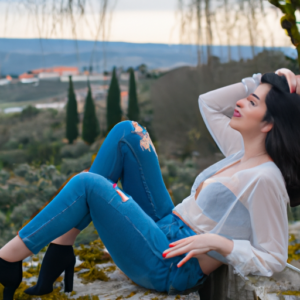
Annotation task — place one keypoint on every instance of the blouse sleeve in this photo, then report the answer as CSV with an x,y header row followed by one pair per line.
x,y
217,108
269,224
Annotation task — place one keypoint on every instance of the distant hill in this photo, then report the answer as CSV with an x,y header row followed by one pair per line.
x,y
177,121
20,55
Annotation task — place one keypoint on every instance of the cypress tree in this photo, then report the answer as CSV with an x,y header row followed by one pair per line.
x,y
72,118
90,125
133,107
113,106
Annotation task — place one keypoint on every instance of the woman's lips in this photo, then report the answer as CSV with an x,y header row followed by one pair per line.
x,y
236,113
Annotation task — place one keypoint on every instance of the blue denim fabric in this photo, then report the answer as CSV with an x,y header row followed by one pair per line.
x,y
136,231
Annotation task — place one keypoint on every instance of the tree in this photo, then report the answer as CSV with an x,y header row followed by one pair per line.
x,y
90,125
72,118
288,21
113,106
133,107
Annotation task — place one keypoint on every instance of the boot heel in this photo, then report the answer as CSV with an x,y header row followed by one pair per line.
x,y
8,292
69,278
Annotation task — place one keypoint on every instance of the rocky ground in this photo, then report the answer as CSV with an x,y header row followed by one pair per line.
x,y
96,277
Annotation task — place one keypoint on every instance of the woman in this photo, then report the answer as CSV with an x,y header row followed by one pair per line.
x,y
236,212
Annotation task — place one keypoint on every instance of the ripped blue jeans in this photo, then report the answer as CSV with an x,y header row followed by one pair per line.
x,y
136,230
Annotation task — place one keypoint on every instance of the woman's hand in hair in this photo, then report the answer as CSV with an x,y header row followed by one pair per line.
x,y
197,245
290,77
298,84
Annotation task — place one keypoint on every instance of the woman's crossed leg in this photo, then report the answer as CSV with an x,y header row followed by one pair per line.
x,y
127,228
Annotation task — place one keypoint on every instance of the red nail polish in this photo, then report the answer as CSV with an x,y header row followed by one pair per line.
x,y
165,254
114,185
171,245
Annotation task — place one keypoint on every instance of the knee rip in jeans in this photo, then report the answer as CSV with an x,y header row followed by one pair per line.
x,y
145,142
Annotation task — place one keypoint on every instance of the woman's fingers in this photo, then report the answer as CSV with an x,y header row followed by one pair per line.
x,y
179,244
178,251
180,241
290,77
187,258
298,84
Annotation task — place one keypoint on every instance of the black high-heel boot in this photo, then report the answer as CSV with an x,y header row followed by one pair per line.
x,y
11,275
58,258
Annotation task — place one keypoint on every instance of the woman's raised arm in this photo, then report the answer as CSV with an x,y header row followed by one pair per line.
x,y
217,108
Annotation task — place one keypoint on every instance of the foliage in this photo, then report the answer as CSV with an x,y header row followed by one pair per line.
x,y
90,125
288,21
178,177
72,118
70,165
75,150
133,107
24,211
294,249
113,106
92,255
29,112
4,175
21,170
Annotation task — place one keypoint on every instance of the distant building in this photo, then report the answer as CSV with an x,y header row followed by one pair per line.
x,y
26,76
12,110
55,105
47,73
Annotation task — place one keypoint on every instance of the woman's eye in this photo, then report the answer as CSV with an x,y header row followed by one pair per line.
x,y
252,103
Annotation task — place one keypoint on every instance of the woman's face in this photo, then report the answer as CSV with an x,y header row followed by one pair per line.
x,y
249,112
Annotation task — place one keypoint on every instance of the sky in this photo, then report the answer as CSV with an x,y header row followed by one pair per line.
x,y
137,21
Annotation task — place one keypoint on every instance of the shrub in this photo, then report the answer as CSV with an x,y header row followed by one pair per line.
x,y
32,176
2,221
58,180
47,193
23,212
74,150
4,175
22,170
11,157
12,143
29,112
5,199
47,171
69,165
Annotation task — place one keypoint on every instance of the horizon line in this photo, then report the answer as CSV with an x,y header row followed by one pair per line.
x,y
148,43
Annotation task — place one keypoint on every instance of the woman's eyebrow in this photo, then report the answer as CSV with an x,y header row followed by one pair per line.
x,y
255,96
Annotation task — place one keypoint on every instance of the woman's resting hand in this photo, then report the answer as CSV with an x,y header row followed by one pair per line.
x,y
197,245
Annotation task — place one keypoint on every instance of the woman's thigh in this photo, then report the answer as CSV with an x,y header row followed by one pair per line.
x,y
134,241
128,153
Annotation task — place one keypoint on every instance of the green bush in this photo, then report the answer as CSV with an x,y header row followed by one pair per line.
x,y
47,193
74,150
21,170
5,199
23,212
21,194
43,152
58,180
47,171
69,165
12,143
11,157
2,221
4,175
29,112
32,176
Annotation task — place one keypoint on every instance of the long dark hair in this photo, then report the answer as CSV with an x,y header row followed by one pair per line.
x,y
283,140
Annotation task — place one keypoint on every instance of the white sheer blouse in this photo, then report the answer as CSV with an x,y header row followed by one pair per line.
x,y
249,207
